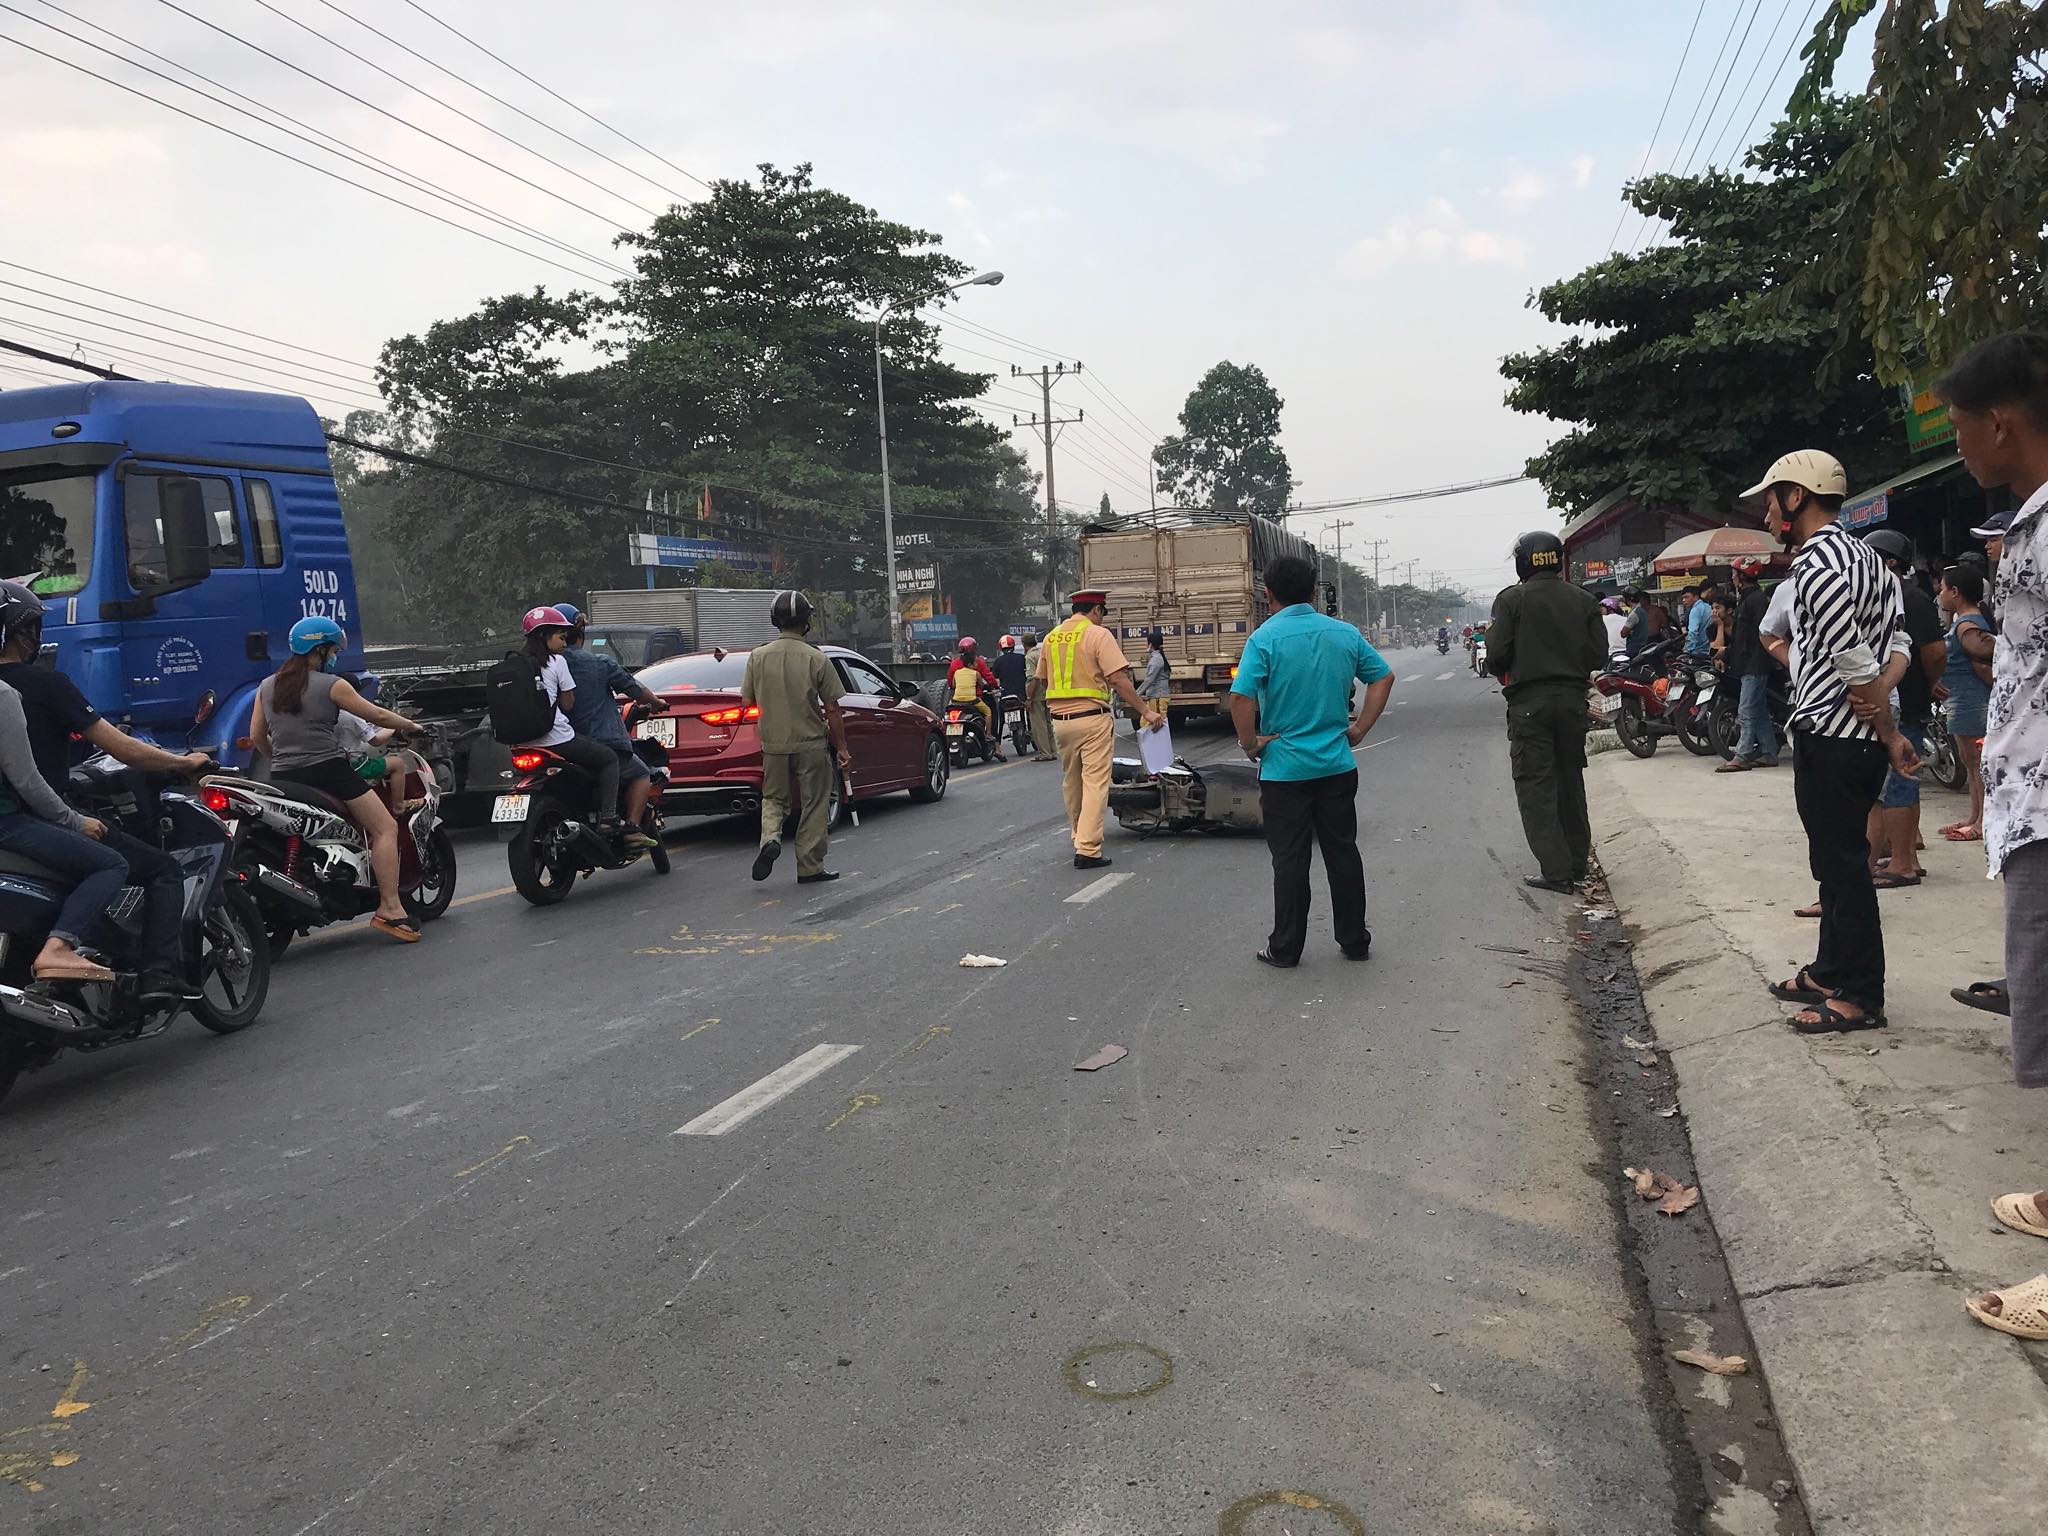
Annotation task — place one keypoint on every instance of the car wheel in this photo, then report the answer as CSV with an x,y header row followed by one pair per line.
x,y
938,772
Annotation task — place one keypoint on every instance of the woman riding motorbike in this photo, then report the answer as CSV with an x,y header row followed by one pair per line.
x,y
547,638
295,726
966,677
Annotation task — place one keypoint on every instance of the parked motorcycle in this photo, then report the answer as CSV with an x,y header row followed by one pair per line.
x,y
556,840
1019,719
1724,723
308,864
1944,763
967,735
222,953
1693,689
1635,698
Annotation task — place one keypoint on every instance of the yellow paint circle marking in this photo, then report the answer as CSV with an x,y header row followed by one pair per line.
x,y
1235,1518
1077,1377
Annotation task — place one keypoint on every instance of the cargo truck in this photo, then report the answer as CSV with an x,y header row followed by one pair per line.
x,y
678,620
1197,578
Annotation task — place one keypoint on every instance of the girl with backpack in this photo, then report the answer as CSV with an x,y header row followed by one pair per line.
x,y
296,726
542,719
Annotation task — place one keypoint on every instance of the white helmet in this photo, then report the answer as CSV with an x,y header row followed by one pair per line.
x,y
1809,468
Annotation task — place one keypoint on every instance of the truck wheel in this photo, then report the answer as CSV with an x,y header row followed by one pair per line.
x,y
236,978
538,870
430,898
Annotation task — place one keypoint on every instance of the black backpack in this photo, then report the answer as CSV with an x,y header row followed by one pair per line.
x,y
520,708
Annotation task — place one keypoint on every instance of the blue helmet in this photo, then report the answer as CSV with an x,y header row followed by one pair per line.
x,y
310,633
570,612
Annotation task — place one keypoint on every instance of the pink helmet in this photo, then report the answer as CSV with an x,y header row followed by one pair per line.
x,y
967,642
543,617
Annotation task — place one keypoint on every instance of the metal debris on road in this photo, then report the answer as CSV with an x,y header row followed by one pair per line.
x,y
1102,1058
1720,1365
982,962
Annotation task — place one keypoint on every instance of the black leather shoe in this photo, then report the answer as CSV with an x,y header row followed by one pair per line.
x,y
1363,952
764,861
1538,883
819,878
1090,861
1267,957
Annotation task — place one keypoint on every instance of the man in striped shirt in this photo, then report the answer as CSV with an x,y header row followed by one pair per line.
x,y
1852,653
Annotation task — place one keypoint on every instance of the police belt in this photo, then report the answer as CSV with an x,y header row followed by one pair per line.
x,y
1079,714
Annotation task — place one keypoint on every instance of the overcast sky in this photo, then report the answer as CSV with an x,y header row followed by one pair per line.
x,y
1358,197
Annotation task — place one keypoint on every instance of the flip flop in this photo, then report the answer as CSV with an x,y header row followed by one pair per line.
x,y
1810,910
1800,989
1988,995
2022,1309
403,929
1826,1021
1956,835
2022,1213
1885,880
1735,765
85,970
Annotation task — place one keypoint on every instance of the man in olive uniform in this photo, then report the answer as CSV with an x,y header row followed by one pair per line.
x,y
1080,669
797,691
1544,643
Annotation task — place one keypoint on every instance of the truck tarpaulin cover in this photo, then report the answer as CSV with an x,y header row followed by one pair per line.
x,y
1269,540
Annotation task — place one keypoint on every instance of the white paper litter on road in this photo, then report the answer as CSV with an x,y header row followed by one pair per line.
x,y
982,962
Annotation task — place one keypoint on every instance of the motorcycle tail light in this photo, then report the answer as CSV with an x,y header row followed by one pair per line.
x,y
218,801
526,762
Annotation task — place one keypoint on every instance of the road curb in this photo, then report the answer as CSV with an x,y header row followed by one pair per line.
x,y
1901,1415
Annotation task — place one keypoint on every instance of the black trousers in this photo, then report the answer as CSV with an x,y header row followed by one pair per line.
x,y
1834,783
1547,754
601,763
163,896
1324,812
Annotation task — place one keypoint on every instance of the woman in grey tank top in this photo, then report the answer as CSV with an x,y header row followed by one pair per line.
x,y
294,726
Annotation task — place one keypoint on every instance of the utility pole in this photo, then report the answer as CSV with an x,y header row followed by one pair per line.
x,y
1045,423
1409,566
1338,528
1379,593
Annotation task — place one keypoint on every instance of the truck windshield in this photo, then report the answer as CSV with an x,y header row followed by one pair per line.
x,y
46,520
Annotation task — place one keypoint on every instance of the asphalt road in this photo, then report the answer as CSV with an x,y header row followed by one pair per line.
x,y
424,1252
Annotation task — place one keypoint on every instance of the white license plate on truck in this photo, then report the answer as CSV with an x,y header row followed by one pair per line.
x,y
509,808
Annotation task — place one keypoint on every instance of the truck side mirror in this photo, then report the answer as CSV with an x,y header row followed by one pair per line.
x,y
188,540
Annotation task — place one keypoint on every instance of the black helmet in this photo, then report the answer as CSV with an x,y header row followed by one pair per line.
x,y
790,610
19,608
1539,554
1892,546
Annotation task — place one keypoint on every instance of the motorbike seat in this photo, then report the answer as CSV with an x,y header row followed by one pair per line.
x,y
12,863
306,794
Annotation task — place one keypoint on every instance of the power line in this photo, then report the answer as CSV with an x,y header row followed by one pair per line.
x,y
509,106
1649,149
1432,493
1103,393
363,101
1707,125
375,164
296,160
558,96
467,117
1791,53
1762,53
1712,69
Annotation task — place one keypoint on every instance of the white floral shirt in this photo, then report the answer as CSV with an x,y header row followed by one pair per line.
x,y
2016,739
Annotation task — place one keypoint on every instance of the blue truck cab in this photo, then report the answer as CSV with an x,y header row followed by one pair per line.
x,y
175,535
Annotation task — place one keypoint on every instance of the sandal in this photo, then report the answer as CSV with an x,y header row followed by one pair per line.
x,y
1800,989
77,969
1962,834
1885,880
1812,909
2022,1309
403,929
1988,995
1823,1018
1733,765
2022,1213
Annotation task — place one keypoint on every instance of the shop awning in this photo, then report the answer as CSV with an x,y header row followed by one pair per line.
x,y
1869,508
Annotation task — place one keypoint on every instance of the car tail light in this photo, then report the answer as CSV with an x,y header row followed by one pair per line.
x,y
732,716
218,801
526,762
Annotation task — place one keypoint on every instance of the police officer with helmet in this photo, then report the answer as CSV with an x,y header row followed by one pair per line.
x,y
1545,641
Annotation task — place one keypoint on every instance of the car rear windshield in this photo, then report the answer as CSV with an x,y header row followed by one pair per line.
x,y
706,670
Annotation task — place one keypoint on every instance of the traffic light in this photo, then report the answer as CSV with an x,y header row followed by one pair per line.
x,y
1330,598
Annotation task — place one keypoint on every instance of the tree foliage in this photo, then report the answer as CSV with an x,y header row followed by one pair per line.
x,y
1696,361
738,359
1938,241
1227,454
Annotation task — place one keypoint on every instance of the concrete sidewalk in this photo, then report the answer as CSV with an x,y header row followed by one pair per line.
x,y
1848,1176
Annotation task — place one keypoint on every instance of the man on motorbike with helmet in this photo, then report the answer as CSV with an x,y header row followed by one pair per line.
x,y
547,631
55,712
1011,675
966,677
600,680
1544,643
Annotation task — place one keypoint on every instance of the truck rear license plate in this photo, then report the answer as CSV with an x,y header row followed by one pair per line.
x,y
509,808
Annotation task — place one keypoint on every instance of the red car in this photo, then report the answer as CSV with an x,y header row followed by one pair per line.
x,y
714,743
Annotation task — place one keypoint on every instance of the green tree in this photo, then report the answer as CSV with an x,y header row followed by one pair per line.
x,y
1227,454
1697,361
739,357
1938,240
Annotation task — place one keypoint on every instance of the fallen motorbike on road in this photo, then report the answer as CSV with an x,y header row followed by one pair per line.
x,y
556,840
308,864
222,955
1217,797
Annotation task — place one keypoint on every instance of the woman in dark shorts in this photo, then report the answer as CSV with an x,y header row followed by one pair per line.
x,y
295,727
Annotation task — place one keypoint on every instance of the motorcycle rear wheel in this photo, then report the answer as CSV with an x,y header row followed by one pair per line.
x,y
657,856
1693,731
541,883
1633,729
237,957
1944,764
1724,728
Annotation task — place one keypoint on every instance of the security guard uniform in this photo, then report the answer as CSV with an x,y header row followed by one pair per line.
x,y
1077,660
1545,641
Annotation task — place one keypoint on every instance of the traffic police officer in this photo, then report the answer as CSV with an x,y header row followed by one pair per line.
x,y
1080,668
1545,641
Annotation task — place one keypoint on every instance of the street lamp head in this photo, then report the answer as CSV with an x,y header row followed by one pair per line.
x,y
983,280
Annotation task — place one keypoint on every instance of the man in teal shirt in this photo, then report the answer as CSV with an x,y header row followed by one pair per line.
x,y
1291,705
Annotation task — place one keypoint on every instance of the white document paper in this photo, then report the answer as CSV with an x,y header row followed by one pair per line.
x,y
1156,748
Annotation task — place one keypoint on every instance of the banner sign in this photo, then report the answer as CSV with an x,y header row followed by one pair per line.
x,y
670,550
917,578
944,628
917,607
913,541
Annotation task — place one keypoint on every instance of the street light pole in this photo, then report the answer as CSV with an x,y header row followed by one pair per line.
x,y
982,279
